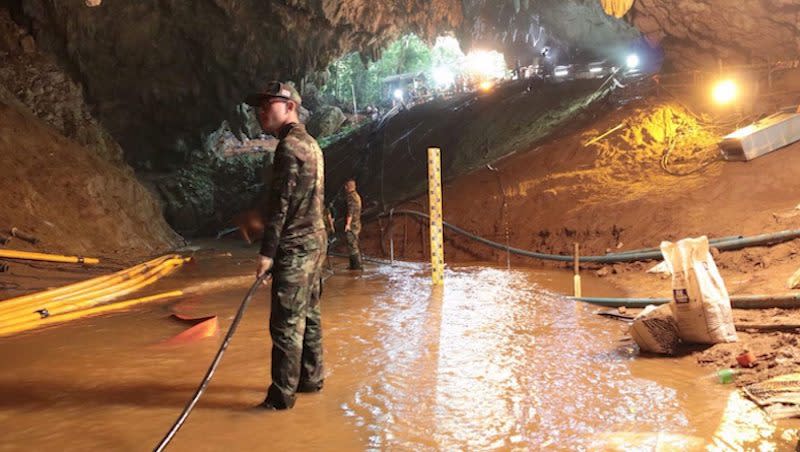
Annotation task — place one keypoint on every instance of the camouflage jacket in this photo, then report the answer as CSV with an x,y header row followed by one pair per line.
x,y
354,211
296,197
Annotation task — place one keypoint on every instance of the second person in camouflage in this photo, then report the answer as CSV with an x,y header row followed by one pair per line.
x,y
352,225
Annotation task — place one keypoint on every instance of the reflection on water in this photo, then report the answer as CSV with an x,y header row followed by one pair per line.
x,y
491,361
746,427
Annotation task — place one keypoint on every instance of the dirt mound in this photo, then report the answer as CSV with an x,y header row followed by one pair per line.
x,y
613,193
71,199
777,353
62,174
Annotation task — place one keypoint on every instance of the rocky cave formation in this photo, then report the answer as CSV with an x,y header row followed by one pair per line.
x,y
166,77
63,176
160,73
697,34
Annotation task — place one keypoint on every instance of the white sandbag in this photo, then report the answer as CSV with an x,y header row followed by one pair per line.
x,y
655,330
702,306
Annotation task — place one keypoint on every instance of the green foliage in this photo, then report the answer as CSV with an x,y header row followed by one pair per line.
x,y
348,74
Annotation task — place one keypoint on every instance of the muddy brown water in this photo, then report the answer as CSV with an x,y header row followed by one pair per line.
x,y
495,360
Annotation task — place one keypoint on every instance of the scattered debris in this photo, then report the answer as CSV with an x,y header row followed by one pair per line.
x,y
779,396
794,281
604,271
614,314
746,359
787,215
607,133
16,232
759,328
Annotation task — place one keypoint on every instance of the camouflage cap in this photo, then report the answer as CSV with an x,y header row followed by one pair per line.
x,y
274,89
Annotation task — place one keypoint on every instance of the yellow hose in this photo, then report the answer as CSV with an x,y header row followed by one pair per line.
x,y
15,254
32,311
74,288
116,281
119,284
82,303
7,330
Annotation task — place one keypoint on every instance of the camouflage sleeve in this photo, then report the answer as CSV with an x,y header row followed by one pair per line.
x,y
351,205
284,181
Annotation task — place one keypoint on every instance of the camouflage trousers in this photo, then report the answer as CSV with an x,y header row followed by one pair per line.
x,y
295,324
352,242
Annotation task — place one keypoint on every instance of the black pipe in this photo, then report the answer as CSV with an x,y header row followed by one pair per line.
x,y
24,236
723,245
210,373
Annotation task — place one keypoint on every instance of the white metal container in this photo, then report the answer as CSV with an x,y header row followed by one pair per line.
x,y
762,137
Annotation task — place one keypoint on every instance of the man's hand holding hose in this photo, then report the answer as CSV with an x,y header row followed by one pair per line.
x,y
264,266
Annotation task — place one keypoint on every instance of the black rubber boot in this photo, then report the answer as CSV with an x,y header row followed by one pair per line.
x,y
355,262
269,405
308,388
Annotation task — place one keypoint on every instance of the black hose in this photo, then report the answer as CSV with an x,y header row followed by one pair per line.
x,y
210,373
722,245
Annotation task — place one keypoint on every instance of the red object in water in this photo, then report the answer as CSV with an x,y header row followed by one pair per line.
x,y
203,327
746,359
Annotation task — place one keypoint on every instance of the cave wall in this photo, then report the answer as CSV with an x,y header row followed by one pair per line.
x,y
159,73
522,28
695,34
62,175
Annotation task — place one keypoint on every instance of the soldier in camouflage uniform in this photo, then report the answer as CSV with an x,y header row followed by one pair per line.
x,y
293,247
352,226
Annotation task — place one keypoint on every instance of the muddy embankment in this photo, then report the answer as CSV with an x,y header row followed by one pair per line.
x,y
62,176
656,176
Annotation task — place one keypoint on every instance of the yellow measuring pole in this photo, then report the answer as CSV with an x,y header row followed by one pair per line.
x,y
435,202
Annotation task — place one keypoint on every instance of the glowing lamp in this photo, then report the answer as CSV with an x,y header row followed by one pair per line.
x,y
724,92
632,61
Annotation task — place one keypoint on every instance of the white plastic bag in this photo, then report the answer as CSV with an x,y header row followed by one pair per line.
x,y
702,306
655,330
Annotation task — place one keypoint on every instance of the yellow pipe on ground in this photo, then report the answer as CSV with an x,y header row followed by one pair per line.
x,y
119,283
63,307
29,312
8,330
116,281
73,288
83,303
16,254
